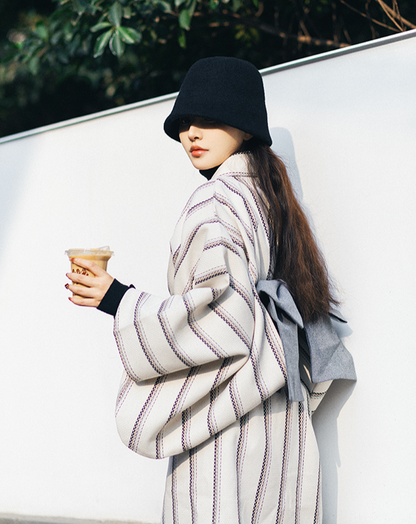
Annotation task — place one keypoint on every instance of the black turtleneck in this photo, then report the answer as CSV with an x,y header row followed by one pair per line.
x,y
208,173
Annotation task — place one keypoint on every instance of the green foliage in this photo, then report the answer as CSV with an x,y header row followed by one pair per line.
x,y
101,42
115,13
66,58
185,19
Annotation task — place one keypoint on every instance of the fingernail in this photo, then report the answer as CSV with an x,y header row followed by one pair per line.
x,y
66,286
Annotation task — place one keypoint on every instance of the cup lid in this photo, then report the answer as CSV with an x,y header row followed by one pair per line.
x,y
105,250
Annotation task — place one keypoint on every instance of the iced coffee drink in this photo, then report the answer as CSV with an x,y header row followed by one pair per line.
x,y
99,255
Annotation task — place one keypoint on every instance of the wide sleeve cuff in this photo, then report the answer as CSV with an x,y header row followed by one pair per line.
x,y
112,298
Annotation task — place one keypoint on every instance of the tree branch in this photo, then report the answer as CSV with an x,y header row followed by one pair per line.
x,y
395,15
365,16
270,29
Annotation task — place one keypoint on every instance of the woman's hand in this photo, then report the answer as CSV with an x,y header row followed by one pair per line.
x,y
93,288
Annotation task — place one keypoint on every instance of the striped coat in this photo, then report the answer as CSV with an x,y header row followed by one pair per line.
x,y
205,377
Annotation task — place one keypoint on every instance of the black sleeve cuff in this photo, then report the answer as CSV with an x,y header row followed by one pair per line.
x,y
112,298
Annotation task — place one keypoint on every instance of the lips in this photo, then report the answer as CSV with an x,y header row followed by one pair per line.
x,y
197,151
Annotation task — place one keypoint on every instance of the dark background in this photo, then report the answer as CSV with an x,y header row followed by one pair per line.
x,y
48,72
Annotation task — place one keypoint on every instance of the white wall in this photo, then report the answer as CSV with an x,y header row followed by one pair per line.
x,y
106,181
346,126
348,129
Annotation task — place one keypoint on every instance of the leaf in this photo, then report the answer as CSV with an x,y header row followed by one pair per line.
x,y
192,7
185,19
42,31
129,35
166,8
56,36
101,42
62,57
33,49
127,12
99,26
236,5
179,2
33,65
116,44
115,14
182,39
79,6
68,31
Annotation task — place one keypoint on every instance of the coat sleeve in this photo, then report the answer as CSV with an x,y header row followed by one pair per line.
x,y
197,361
316,390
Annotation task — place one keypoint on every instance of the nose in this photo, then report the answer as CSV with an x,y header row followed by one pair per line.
x,y
194,132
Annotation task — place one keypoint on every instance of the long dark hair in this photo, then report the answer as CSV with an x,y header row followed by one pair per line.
x,y
296,258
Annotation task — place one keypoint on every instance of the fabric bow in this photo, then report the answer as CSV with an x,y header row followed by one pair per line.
x,y
330,359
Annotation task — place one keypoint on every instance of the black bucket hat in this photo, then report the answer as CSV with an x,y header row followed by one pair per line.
x,y
225,89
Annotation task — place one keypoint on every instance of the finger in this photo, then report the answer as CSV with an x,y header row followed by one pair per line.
x,y
82,301
88,264
85,280
96,287
81,291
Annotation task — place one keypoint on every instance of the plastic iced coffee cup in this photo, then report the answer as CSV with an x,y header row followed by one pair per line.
x,y
99,255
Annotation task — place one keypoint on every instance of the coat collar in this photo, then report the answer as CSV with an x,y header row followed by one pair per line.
x,y
236,164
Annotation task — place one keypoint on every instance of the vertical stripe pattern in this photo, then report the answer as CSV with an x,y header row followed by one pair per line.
x,y
205,379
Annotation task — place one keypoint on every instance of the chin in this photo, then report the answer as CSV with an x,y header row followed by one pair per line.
x,y
201,165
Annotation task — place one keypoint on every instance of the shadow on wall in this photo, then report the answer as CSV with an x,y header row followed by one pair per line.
x,y
326,430
325,419
284,148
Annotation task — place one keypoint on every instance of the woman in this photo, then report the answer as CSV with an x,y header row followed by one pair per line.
x,y
207,379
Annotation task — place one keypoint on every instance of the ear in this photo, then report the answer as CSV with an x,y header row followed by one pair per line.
x,y
247,136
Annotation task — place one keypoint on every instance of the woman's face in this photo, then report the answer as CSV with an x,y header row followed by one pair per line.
x,y
209,143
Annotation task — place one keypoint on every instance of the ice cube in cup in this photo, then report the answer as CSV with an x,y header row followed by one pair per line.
x,y
99,255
